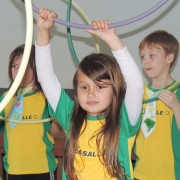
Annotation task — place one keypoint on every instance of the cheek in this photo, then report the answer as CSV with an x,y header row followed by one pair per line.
x,y
80,97
14,73
29,74
107,98
143,64
110,99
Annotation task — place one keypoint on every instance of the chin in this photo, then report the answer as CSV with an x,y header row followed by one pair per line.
x,y
149,75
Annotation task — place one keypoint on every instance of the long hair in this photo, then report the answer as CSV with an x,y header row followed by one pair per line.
x,y
98,67
18,51
160,37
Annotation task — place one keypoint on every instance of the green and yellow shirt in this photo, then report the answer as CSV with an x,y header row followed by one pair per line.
x,y
158,155
87,164
28,147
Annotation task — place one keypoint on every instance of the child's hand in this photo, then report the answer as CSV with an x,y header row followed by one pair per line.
x,y
107,35
169,98
101,29
46,19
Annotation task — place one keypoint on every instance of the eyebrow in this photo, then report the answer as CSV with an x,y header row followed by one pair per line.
x,y
80,82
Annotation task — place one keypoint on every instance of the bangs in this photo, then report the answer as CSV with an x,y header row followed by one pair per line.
x,y
95,67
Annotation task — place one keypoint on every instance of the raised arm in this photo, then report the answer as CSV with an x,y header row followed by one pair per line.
x,y
130,71
44,24
44,64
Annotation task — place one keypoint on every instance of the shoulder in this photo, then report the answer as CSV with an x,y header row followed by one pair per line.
x,y
146,85
178,91
3,95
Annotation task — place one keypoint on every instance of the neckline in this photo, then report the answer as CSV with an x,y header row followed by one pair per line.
x,y
153,89
31,93
95,118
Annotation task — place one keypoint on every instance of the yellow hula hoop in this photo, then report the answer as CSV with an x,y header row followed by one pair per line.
x,y
88,22
27,122
25,59
28,43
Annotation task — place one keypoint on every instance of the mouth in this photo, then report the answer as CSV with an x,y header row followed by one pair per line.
x,y
148,69
92,103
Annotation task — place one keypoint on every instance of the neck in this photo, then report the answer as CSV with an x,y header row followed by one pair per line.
x,y
28,89
158,83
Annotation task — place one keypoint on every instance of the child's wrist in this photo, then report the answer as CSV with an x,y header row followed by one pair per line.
x,y
114,42
176,108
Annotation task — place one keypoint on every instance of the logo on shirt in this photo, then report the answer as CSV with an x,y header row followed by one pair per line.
x,y
87,153
30,117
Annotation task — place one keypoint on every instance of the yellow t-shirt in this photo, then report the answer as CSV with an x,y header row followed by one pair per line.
x,y
155,158
87,163
29,147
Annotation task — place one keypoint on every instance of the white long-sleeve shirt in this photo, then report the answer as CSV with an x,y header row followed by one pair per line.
x,y
52,87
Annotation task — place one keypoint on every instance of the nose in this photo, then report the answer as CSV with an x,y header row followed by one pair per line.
x,y
91,93
146,60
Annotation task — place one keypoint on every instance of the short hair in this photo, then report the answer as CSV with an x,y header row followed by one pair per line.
x,y
18,51
160,37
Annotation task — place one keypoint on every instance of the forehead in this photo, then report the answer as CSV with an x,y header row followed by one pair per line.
x,y
151,47
82,76
17,59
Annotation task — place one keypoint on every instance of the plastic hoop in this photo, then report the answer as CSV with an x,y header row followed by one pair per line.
x,y
25,58
71,45
113,25
27,122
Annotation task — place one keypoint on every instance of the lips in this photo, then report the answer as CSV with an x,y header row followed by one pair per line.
x,y
92,103
148,69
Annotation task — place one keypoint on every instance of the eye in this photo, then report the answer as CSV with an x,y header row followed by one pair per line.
x,y
14,66
100,87
152,56
142,57
84,87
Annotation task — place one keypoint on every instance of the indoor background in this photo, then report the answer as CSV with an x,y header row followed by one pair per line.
x,y
13,30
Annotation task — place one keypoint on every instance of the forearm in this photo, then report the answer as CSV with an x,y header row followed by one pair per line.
x,y
56,130
46,75
43,37
134,82
114,42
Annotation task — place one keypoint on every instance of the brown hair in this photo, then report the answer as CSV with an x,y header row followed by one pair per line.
x,y
98,67
18,51
160,37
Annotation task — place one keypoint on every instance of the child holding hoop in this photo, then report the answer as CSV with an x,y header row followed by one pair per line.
x,y
103,115
28,147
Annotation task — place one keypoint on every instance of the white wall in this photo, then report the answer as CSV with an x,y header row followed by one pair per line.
x,y
13,29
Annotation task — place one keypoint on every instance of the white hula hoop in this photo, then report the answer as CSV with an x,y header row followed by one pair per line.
x,y
25,58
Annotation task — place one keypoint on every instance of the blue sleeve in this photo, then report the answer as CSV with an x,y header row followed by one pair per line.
x,y
126,126
63,111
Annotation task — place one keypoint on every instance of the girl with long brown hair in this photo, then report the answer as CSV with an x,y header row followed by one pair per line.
x,y
103,114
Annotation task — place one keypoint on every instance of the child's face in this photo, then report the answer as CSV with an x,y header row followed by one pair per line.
x,y
93,98
155,62
28,79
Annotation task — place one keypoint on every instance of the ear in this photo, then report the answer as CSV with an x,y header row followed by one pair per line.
x,y
170,58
